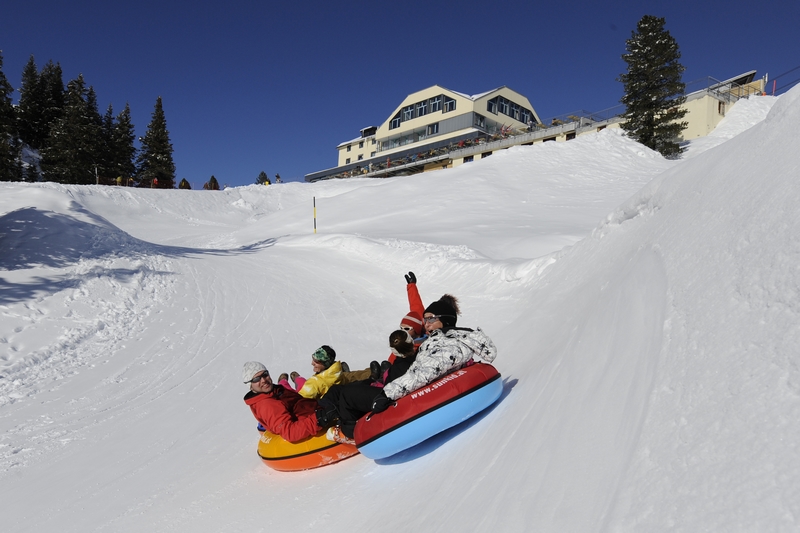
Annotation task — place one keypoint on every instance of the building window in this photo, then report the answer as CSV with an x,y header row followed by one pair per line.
x,y
514,111
348,147
449,104
524,115
360,157
469,159
372,154
479,121
433,129
491,106
422,108
395,122
361,144
408,112
570,135
347,161
374,142
721,108
548,139
484,155
436,104
503,103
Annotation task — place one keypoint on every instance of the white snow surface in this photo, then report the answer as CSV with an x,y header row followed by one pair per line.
x,y
645,311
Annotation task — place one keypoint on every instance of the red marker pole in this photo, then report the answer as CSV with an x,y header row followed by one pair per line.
x,y
315,214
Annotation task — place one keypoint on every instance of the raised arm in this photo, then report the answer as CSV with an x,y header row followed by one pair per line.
x,y
414,301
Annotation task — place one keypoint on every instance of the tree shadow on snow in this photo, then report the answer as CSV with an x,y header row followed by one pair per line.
x,y
427,446
39,286
31,238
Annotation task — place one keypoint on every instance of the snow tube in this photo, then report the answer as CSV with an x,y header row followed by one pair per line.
x,y
312,452
429,410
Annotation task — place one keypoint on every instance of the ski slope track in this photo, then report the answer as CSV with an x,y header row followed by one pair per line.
x,y
646,315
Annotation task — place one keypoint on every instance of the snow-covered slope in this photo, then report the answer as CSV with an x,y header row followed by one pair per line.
x,y
645,313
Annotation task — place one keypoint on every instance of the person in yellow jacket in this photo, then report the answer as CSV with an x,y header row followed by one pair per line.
x,y
327,372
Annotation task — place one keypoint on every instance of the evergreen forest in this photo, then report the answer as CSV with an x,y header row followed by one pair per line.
x,y
56,133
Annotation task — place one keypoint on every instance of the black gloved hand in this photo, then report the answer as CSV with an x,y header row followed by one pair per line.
x,y
325,419
381,403
411,278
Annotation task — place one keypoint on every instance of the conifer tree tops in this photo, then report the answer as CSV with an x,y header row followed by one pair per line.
x,y
73,154
10,168
262,179
155,157
75,144
653,87
41,102
123,151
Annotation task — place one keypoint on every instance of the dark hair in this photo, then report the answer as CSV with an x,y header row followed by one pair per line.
x,y
399,341
330,351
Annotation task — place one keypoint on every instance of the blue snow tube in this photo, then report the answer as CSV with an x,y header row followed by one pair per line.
x,y
428,411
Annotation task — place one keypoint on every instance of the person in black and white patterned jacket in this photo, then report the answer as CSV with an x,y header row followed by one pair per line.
x,y
447,348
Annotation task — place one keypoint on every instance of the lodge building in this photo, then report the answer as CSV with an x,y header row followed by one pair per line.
x,y
438,128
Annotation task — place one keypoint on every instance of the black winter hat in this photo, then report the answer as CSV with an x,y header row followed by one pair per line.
x,y
446,308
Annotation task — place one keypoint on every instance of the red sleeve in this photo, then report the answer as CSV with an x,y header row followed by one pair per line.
x,y
414,301
297,430
276,418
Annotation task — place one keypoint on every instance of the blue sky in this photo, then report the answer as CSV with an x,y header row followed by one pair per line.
x,y
275,86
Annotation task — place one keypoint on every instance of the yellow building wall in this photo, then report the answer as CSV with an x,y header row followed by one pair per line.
x,y
703,115
369,146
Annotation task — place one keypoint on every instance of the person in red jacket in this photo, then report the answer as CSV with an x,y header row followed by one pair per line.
x,y
281,411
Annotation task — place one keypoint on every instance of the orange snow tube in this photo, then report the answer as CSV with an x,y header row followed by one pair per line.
x,y
313,452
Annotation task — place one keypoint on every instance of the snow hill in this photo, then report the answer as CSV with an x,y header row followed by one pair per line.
x,y
645,313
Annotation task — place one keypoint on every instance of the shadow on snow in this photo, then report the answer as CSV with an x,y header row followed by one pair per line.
x,y
31,238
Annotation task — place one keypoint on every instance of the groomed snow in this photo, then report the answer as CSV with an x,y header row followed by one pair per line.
x,y
645,313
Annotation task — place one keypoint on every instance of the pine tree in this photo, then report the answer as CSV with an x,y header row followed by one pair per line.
x,y
41,103
123,151
106,166
95,144
29,111
653,87
262,179
10,166
72,151
155,157
53,97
